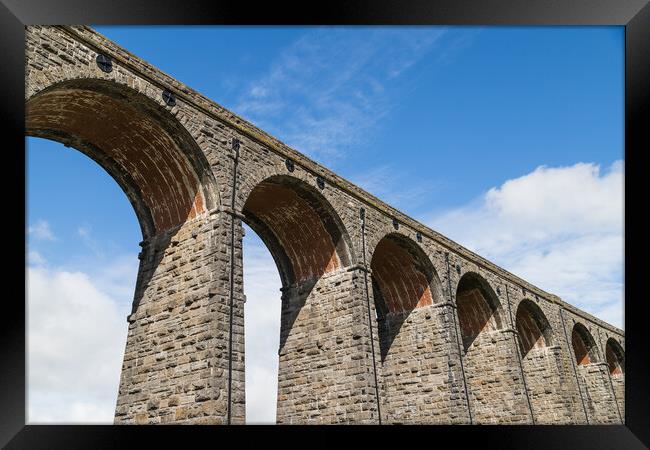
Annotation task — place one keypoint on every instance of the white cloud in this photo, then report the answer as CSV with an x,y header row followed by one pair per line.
x,y
561,228
261,393
76,339
42,231
77,332
262,327
55,408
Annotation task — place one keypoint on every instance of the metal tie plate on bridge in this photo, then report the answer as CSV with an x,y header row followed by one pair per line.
x,y
105,63
169,98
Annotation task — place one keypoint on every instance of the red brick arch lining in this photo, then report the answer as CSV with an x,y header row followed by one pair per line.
x,y
615,357
584,346
532,326
477,307
401,274
299,227
142,146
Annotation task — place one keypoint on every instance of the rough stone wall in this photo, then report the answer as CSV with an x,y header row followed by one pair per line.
x,y
174,363
415,374
238,389
599,397
490,359
613,348
595,388
425,345
493,376
548,371
325,373
325,368
176,360
618,381
547,386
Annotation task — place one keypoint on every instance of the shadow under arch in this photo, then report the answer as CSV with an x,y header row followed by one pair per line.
x,y
403,279
584,345
615,356
304,235
478,307
140,144
533,327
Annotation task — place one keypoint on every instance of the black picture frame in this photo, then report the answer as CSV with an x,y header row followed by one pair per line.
x,y
634,15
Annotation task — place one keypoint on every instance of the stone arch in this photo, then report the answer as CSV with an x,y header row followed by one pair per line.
x,y
615,356
598,387
304,235
405,287
163,172
478,307
398,251
541,365
403,279
489,355
584,346
302,230
153,158
313,252
532,326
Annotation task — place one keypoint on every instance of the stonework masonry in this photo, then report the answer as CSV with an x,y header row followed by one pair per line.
x,y
383,319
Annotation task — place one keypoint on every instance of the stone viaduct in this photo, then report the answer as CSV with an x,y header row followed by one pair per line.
x,y
383,319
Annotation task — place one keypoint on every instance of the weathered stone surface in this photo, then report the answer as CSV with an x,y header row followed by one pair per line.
x,y
387,321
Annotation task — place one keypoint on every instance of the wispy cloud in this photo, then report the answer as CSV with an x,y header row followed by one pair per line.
x,y
85,233
35,259
41,230
560,228
327,91
397,187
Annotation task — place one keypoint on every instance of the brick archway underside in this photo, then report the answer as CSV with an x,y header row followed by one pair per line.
x,y
133,146
475,314
530,329
403,285
298,229
614,359
583,346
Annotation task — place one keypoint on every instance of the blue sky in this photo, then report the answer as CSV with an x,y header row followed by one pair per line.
x,y
508,140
